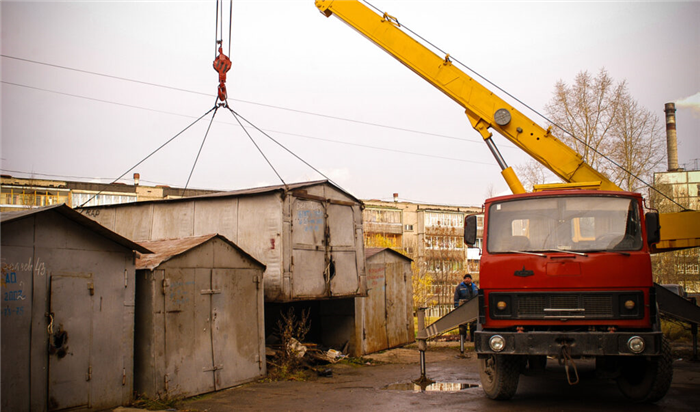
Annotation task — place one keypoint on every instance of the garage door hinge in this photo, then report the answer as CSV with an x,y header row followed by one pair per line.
x,y
210,291
91,288
126,278
213,368
88,375
166,284
123,377
256,280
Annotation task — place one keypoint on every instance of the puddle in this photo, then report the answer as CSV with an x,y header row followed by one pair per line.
x,y
430,387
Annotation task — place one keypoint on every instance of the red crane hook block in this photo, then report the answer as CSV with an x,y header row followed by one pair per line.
x,y
222,64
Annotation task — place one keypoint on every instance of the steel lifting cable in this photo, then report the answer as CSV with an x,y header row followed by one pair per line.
x,y
222,63
216,108
283,147
230,23
524,104
146,158
259,149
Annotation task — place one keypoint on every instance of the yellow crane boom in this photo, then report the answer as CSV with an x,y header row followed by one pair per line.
x,y
486,111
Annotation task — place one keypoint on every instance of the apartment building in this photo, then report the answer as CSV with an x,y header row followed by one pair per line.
x,y
433,236
23,193
682,266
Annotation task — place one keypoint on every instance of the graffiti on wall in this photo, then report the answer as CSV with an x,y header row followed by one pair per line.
x,y
375,277
13,287
180,292
310,220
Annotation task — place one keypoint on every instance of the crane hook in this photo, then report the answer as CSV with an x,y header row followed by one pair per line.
x,y
222,64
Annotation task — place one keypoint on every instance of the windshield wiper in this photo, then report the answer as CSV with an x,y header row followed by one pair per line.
x,y
566,251
623,253
527,253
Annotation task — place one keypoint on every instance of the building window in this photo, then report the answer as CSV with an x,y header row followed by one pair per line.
x,y
444,242
439,219
101,199
382,216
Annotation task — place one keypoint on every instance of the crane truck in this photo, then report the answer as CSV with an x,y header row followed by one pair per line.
x,y
566,269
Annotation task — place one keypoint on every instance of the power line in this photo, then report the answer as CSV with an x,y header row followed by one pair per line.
x,y
105,75
93,99
479,141
273,131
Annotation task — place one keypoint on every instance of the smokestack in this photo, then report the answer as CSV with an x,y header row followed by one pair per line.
x,y
396,197
671,139
137,177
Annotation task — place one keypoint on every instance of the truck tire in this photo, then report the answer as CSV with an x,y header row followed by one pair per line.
x,y
500,375
647,379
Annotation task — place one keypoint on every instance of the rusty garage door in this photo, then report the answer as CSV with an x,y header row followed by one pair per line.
x,y
70,337
209,344
323,249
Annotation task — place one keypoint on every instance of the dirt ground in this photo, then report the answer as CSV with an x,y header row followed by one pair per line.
x,y
366,387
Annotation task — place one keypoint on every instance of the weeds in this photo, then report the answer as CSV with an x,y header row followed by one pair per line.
x,y
291,331
144,402
359,361
675,330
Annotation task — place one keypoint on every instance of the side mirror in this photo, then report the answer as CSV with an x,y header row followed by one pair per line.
x,y
653,227
470,230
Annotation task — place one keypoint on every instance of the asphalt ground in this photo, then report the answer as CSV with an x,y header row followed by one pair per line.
x,y
368,387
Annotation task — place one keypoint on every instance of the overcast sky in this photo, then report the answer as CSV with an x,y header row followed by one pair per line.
x,y
314,85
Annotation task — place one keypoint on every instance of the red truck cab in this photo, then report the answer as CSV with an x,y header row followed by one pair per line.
x,y
567,274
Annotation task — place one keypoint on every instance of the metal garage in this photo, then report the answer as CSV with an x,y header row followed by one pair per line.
x,y
308,235
385,317
199,317
67,312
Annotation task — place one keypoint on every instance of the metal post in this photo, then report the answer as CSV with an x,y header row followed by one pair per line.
x,y
422,338
694,330
422,344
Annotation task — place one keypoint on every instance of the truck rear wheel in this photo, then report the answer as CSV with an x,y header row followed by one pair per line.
x,y
500,375
646,379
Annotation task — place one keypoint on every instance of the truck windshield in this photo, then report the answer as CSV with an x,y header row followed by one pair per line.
x,y
567,223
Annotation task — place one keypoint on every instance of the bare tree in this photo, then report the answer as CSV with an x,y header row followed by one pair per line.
x,y
587,109
639,145
490,190
531,173
604,120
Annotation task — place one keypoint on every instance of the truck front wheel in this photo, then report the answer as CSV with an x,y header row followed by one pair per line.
x,y
500,375
646,379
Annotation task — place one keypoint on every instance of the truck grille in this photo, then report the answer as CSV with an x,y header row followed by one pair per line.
x,y
566,305
592,305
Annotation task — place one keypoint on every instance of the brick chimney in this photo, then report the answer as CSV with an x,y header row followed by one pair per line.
x,y
671,139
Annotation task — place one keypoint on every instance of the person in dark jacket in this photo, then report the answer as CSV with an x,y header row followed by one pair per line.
x,y
464,292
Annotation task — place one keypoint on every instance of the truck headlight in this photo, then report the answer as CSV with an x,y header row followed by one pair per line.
x,y
497,343
636,344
